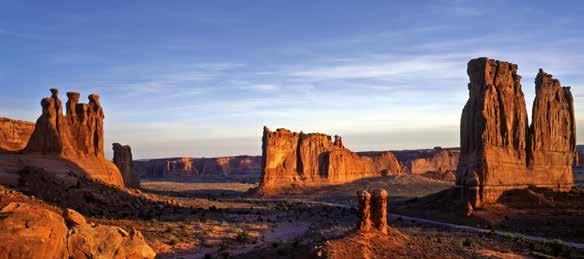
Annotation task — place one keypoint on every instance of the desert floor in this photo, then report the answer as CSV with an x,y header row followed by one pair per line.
x,y
225,221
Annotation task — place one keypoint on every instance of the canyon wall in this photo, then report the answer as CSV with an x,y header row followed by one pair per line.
x,y
14,134
186,166
499,150
123,160
295,160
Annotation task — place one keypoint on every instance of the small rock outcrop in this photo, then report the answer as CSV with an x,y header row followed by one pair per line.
x,y
123,160
297,160
187,166
373,210
31,231
14,134
499,150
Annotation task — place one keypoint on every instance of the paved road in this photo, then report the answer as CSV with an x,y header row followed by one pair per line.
x,y
392,216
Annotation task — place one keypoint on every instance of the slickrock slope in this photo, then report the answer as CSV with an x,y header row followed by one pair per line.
x,y
295,160
14,134
32,229
185,166
499,151
123,160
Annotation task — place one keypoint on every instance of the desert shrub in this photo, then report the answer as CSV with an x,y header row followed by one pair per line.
x,y
242,236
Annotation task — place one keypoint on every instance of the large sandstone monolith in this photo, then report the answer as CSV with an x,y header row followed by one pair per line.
x,y
76,137
296,160
78,134
123,160
499,151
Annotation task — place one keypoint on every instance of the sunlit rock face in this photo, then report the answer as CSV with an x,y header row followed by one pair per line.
x,y
499,150
296,160
33,231
14,134
76,137
189,166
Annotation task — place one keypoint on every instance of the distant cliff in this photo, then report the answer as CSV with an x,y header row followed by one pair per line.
x,y
187,166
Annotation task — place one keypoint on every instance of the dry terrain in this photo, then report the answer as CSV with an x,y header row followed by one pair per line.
x,y
224,221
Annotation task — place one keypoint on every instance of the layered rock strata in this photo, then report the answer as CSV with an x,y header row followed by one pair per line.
x,y
186,166
296,160
14,134
123,160
499,150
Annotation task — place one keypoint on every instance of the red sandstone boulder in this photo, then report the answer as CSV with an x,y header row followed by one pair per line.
x,y
27,231
31,231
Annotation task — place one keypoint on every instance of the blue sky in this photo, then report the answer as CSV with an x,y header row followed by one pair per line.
x,y
195,78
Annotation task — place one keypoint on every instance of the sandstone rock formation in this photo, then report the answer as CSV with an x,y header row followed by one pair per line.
x,y
123,160
373,210
14,134
379,210
499,151
436,160
185,167
76,139
79,134
30,231
296,160
364,200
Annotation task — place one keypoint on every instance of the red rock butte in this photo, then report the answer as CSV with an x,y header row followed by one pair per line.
x,y
297,160
60,143
499,150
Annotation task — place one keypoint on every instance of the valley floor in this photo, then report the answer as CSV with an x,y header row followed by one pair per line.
x,y
223,221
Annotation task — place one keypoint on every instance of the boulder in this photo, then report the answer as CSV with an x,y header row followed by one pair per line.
x,y
27,231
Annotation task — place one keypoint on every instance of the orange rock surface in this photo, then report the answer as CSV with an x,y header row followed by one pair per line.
x,y
14,134
31,231
296,160
499,150
66,143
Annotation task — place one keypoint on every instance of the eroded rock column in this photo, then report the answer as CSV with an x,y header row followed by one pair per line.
x,y
364,199
379,210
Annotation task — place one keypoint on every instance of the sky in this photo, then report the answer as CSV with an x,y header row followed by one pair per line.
x,y
201,78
